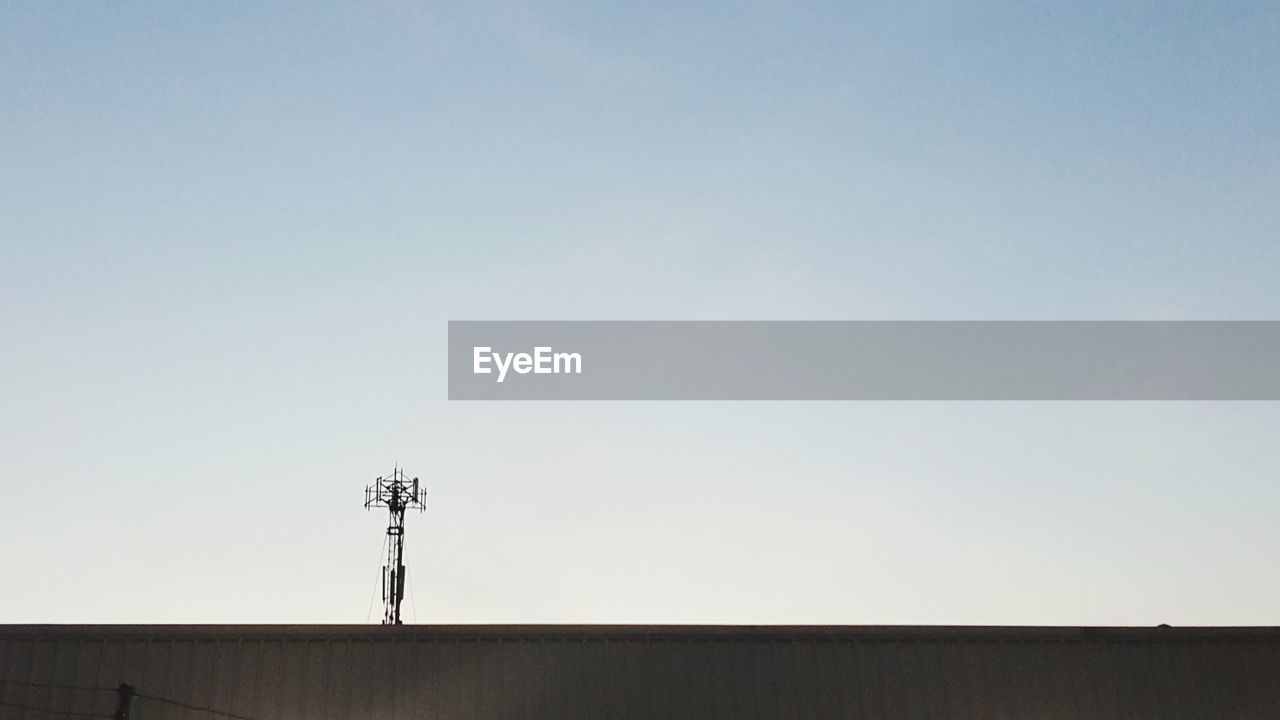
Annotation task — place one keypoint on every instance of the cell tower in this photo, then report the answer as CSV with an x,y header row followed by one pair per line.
x,y
397,494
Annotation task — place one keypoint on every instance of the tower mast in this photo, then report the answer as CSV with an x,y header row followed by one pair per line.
x,y
396,493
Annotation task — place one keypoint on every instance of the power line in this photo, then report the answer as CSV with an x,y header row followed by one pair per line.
x,y
85,688
63,713
51,686
193,708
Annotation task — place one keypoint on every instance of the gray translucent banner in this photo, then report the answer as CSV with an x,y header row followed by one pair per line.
x,y
979,360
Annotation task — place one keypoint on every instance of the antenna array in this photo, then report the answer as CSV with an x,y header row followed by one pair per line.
x,y
396,493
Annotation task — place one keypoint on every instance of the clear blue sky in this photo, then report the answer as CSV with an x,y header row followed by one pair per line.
x,y
231,237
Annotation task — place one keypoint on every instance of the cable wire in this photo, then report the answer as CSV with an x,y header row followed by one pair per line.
x,y
73,713
52,686
368,617
413,599
63,713
193,708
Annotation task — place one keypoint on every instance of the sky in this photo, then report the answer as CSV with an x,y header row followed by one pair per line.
x,y
232,234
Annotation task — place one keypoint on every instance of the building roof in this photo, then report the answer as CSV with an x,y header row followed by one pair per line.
x,y
317,672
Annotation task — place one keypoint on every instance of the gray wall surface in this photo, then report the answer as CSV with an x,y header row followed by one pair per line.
x,y
593,672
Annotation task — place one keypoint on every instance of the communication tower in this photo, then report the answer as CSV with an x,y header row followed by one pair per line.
x,y
396,493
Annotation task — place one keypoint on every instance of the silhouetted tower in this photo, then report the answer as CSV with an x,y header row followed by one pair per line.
x,y
397,494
